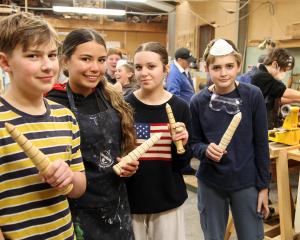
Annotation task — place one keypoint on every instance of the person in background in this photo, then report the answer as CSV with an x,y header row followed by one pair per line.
x,y
269,79
4,80
238,177
107,132
113,56
246,77
126,82
31,206
180,83
157,191
202,86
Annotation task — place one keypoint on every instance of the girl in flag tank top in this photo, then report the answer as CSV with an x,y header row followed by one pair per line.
x,y
157,191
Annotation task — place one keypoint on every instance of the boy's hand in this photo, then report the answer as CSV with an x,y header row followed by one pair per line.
x,y
214,152
262,203
181,133
58,174
128,167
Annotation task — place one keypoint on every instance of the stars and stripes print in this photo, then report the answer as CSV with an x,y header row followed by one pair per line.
x,y
161,151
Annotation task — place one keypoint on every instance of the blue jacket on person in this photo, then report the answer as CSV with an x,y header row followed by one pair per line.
x,y
247,77
179,84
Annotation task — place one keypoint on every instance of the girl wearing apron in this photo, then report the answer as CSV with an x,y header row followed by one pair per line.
x,y
106,129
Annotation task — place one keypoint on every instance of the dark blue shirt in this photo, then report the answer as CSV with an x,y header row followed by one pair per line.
x,y
246,163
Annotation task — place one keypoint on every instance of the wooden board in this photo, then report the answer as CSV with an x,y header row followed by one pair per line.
x,y
275,147
191,182
297,213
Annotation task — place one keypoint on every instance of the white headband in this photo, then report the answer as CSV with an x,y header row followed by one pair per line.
x,y
221,48
120,63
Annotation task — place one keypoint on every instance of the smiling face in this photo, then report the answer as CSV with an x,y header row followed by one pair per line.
x,y
223,72
149,70
32,71
123,75
111,63
86,67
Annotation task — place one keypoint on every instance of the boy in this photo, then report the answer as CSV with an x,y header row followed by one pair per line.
x,y
31,206
237,178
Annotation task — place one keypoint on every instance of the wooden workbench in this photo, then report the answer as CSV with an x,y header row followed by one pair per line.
x,y
281,153
295,155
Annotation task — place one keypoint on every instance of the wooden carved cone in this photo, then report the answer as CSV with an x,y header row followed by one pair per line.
x,y
1,235
39,159
138,152
178,143
227,136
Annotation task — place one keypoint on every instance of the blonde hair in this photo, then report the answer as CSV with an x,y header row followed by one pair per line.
x,y
27,30
209,59
129,68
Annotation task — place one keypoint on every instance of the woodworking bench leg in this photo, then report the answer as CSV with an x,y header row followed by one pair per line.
x,y
284,198
297,213
229,228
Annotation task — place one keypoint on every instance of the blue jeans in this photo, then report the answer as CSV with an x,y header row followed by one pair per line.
x,y
213,206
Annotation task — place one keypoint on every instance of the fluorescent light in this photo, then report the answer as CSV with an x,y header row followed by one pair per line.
x,y
83,10
142,1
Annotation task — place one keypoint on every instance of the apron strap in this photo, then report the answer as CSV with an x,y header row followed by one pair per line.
x,y
72,102
100,93
71,99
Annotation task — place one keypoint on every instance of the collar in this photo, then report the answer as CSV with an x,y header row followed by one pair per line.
x,y
211,88
180,68
263,68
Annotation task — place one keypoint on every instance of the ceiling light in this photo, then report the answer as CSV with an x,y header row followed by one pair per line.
x,y
83,10
142,1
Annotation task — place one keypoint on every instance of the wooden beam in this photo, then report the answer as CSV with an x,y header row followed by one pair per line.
x,y
71,24
288,43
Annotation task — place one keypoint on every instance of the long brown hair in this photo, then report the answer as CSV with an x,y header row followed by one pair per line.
x,y
125,112
284,60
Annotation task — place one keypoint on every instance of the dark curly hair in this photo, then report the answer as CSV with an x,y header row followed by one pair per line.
x,y
284,60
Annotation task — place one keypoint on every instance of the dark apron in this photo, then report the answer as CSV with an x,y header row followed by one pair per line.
x,y
102,213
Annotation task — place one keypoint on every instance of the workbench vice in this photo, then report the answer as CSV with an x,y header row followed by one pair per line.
x,y
289,133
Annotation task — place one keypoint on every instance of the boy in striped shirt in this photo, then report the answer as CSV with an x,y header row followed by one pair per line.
x,y
31,206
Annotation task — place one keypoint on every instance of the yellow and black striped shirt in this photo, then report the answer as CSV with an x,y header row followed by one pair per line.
x,y
30,208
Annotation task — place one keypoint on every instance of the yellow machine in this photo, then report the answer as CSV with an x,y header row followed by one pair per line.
x,y
290,132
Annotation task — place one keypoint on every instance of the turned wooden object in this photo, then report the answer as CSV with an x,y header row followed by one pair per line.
x,y
178,143
137,152
39,159
230,131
